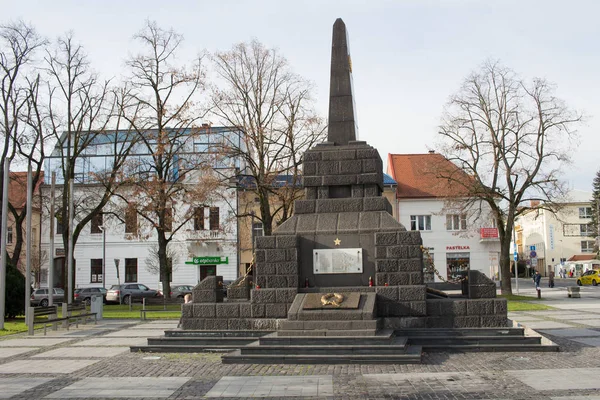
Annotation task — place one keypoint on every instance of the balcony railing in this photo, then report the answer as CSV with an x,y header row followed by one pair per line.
x,y
205,235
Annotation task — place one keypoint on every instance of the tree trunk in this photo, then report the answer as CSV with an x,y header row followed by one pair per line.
x,y
505,257
265,211
164,267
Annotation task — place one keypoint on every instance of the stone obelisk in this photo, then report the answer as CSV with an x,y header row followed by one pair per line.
x,y
342,114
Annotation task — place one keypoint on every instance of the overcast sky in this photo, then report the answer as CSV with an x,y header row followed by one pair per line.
x,y
408,57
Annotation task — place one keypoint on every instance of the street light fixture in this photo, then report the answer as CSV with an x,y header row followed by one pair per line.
x,y
103,229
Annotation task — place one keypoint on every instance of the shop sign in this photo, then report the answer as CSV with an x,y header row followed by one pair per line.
x,y
59,252
458,248
208,260
489,233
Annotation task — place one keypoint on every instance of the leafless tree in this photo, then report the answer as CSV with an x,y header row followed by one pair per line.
x,y
512,138
273,108
19,84
163,110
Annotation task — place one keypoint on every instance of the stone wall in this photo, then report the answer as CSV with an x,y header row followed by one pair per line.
x,y
471,313
398,258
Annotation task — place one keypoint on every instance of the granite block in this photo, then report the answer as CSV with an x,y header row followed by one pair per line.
x,y
500,307
387,293
410,238
386,239
293,281
397,252
369,178
414,251
238,292
276,281
275,255
386,266
339,155
377,204
367,153
276,310
327,223
312,155
263,296
412,293
369,221
258,310
407,308
193,324
304,206
309,168
434,308
265,242
459,307
287,227
264,324
312,181
322,193
410,265
482,291
399,278
478,278
210,282
349,167
358,191
207,296
369,165
327,168
339,205
307,222
239,324
204,310
261,281
245,310
480,307
493,321
310,193
187,310
466,322
287,268
259,255
267,268
291,255
372,190
405,323
416,278
381,252
228,310
388,223
286,295
440,322
348,222
215,324
287,241
381,279
336,180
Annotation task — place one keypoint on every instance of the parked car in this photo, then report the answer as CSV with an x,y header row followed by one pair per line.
x,y
126,291
39,297
591,277
179,291
85,294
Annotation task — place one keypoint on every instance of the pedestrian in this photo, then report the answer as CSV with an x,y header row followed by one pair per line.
x,y
551,279
536,279
187,298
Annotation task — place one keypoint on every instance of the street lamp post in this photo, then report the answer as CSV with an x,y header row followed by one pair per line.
x,y
103,229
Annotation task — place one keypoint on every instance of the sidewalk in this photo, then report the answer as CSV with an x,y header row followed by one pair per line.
x,y
94,362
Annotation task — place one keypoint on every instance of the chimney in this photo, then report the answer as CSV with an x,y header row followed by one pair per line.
x,y
431,151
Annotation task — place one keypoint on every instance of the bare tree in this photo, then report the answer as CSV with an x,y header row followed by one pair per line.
x,y
273,108
19,84
83,116
513,139
162,109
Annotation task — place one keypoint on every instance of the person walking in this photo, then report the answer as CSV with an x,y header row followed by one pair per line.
x,y
536,279
551,279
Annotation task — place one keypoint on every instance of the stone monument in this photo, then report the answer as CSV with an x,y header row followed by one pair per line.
x,y
341,265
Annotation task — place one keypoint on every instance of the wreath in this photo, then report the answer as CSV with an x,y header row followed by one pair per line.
x,y
334,299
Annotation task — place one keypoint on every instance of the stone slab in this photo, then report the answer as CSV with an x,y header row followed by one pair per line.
x,y
137,333
10,387
112,342
590,322
157,326
53,366
554,379
41,342
546,325
590,341
573,332
82,352
123,387
569,317
6,352
309,386
312,301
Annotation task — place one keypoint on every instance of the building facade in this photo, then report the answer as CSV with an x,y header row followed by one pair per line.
x,y
455,239
120,246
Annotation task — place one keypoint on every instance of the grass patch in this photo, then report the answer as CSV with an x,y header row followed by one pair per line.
x,y
522,303
121,311
13,326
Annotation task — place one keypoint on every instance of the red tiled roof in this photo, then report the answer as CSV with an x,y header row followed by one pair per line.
x,y
582,257
421,176
17,188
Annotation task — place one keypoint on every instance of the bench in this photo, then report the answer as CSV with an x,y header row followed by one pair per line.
x,y
77,311
157,304
51,314
573,291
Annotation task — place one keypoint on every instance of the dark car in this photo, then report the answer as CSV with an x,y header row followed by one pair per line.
x,y
39,297
124,293
85,294
179,291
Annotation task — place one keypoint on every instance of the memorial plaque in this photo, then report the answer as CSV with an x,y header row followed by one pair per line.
x,y
337,261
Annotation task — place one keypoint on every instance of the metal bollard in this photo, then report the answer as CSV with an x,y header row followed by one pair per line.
x,y
539,292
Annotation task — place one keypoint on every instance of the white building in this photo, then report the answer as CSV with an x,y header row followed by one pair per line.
x,y
206,244
456,240
561,237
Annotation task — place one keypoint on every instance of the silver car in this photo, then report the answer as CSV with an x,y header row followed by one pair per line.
x,y
124,293
39,297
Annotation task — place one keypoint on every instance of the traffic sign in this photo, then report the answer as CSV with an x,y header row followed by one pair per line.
x,y
533,254
515,256
534,262
532,248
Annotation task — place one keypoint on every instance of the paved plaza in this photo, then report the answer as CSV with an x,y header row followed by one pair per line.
x,y
94,362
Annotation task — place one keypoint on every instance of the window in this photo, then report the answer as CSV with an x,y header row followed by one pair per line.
x,y
131,268
420,222
214,218
585,230
585,212
199,219
131,221
97,221
257,229
455,222
587,246
96,270
9,235
168,219
59,223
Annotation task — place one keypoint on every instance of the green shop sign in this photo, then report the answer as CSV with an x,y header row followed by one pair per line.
x,y
208,260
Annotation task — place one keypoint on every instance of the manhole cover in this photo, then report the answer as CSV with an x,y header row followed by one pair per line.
x,y
152,358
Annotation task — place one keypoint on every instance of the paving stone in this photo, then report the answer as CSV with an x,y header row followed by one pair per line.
x,y
44,366
41,342
272,386
137,333
112,341
163,325
122,387
556,379
10,387
82,352
592,341
573,332
6,352
590,322
546,325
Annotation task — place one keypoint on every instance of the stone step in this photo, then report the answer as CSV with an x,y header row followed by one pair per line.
x,y
380,338
200,341
327,332
491,348
324,349
200,333
427,341
330,325
413,332
412,355
213,348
